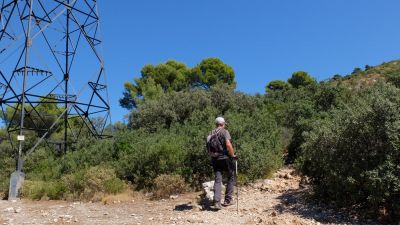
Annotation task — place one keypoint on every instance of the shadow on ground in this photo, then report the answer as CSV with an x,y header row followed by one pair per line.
x,y
298,202
183,207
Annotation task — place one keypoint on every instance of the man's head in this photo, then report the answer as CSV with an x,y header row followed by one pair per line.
x,y
220,122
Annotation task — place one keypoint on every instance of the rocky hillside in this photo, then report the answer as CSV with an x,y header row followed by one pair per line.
x,y
371,74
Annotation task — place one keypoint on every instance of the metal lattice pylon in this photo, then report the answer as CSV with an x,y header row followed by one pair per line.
x,y
52,78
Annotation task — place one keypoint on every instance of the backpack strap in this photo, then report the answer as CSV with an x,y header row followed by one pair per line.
x,y
216,131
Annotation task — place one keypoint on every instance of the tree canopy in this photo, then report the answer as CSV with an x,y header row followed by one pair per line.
x,y
210,72
301,79
174,76
277,85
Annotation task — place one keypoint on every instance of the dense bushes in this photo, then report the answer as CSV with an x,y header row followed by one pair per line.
x,y
7,165
153,148
143,156
352,154
346,137
87,184
165,136
76,175
172,110
43,189
343,135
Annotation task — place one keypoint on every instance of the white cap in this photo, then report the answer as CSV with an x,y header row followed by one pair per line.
x,y
219,120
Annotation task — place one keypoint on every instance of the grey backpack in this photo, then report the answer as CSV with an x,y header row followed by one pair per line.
x,y
214,144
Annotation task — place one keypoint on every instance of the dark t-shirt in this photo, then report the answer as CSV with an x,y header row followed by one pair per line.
x,y
223,136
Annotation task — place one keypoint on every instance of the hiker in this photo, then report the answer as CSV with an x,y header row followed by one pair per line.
x,y
219,146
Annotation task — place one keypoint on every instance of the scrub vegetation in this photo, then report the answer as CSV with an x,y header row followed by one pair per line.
x,y
343,133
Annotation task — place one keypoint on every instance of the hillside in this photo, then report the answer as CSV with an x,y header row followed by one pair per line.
x,y
371,74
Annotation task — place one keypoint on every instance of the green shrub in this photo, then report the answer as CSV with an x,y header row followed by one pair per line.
x,y
43,165
96,180
4,188
86,153
7,166
257,140
394,78
114,186
143,156
37,190
353,154
180,149
75,184
166,185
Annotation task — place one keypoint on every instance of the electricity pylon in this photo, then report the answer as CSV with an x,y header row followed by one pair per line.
x,y
52,77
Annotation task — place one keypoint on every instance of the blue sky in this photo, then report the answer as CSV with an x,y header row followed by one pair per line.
x,y
262,40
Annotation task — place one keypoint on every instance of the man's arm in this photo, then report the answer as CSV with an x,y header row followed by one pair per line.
x,y
229,146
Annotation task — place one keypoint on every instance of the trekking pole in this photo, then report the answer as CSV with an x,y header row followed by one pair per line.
x,y
237,189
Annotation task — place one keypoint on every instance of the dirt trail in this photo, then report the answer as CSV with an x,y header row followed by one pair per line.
x,y
277,201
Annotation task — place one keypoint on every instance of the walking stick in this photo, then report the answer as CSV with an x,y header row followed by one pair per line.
x,y
237,189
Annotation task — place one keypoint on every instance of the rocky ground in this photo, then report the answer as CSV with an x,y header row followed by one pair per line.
x,y
281,200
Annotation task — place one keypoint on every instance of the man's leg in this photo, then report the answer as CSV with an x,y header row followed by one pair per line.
x,y
217,182
231,181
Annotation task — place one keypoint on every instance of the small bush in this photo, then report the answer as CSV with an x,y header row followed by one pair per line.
x,y
95,178
394,78
114,186
75,184
143,156
91,183
4,186
166,185
37,190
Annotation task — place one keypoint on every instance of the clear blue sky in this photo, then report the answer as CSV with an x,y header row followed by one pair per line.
x,y
262,40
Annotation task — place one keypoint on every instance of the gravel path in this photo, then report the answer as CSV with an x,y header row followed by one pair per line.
x,y
277,201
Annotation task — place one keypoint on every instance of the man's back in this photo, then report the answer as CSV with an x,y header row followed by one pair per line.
x,y
223,136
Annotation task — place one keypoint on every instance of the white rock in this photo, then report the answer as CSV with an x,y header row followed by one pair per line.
x,y
149,194
268,182
208,190
173,197
68,216
17,210
9,209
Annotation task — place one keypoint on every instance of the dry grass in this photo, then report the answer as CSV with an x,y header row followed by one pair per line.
x,y
166,185
124,197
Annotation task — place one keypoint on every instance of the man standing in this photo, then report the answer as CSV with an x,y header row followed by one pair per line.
x,y
223,161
